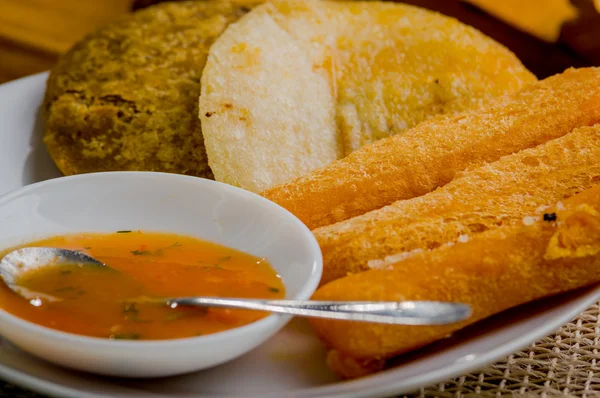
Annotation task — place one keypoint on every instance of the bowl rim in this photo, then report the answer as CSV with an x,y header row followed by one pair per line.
x,y
263,325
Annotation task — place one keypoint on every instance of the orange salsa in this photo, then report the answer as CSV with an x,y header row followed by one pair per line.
x,y
99,301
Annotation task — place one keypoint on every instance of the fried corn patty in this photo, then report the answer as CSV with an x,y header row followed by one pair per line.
x,y
126,96
296,84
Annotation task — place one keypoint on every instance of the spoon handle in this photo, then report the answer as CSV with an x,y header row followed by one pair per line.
x,y
389,312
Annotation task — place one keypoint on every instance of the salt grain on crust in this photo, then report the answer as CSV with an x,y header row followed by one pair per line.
x,y
392,259
463,238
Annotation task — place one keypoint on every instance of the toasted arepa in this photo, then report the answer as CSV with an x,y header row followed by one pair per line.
x,y
296,84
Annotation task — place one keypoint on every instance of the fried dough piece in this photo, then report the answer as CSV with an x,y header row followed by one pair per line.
x,y
431,154
297,84
492,272
496,194
125,97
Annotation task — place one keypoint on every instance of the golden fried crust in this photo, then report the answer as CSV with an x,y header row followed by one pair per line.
x,y
431,154
496,194
125,97
297,84
493,271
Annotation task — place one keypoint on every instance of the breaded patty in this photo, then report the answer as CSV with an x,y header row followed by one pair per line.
x,y
125,97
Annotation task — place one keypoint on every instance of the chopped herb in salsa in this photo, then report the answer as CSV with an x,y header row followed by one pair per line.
x,y
114,305
140,252
158,252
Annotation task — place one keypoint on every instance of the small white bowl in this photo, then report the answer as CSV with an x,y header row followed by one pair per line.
x,y
108,202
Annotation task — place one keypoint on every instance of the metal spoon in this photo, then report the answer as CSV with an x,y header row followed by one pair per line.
x,y
390,312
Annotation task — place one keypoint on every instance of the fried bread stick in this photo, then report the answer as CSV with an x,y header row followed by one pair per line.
x,y
492,272
496,194
431,154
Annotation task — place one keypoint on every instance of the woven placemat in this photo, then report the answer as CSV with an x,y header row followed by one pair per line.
x,y
566,363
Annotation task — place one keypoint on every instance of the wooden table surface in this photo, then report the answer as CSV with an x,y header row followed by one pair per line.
x,y
33,33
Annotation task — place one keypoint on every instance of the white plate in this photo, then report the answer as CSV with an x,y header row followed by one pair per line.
x,y
290,364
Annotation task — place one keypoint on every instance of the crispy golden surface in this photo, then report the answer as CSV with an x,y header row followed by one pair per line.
x,y
496,194
295,85
126,96
493,271
431,154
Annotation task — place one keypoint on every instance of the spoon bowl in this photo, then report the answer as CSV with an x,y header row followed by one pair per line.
x,y
16,263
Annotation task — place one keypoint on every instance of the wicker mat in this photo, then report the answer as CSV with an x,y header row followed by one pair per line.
x,y
564,364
